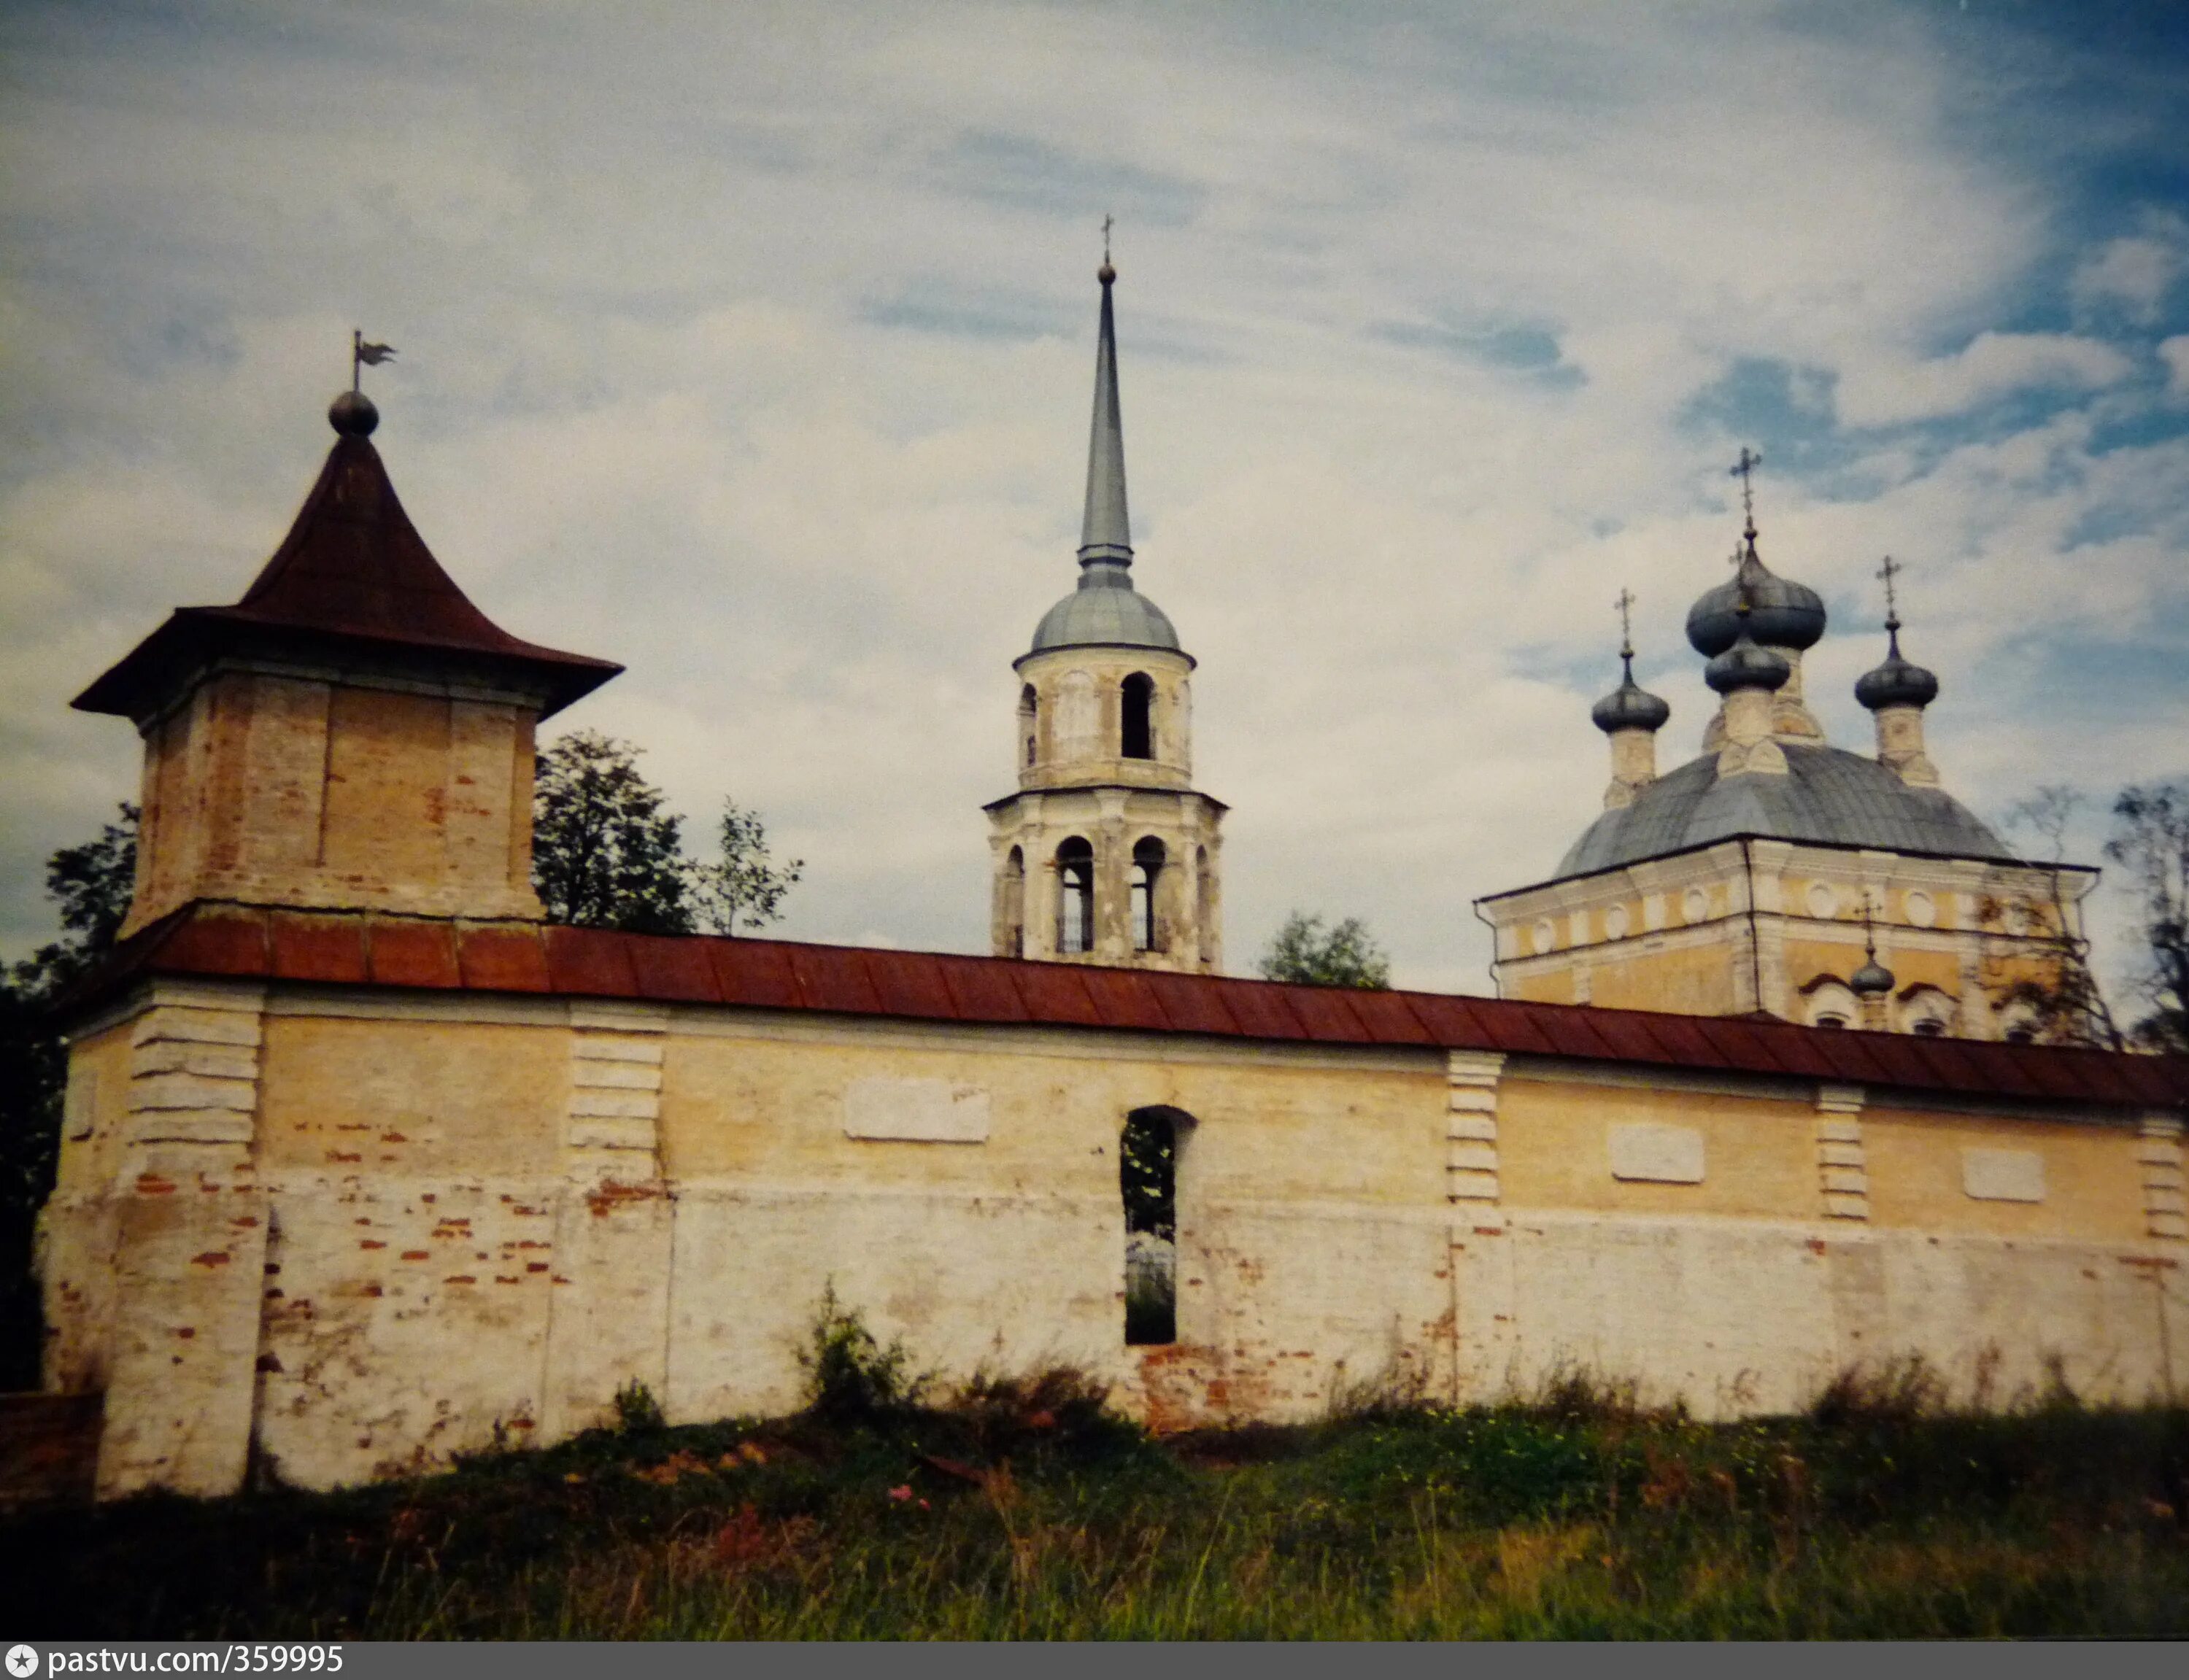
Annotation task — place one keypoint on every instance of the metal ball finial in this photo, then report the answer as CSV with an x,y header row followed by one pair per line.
x,y
352,415
1105,274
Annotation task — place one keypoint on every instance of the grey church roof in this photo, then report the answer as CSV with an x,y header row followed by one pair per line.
x,y
1105,610
1827,795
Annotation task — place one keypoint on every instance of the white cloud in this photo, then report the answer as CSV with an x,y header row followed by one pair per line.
x,y
2174,352
1993,365
2134,274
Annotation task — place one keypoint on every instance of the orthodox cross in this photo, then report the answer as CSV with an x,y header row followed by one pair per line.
x,y
1742,469
363,355
1892,569
1625,604
1107,220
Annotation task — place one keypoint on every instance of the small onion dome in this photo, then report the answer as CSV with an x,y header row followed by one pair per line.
x,y
1872,979
1782,613
352,415
1629,707
1745,665
1896,682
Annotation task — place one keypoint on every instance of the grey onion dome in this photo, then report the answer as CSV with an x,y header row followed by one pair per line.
x,y
1897,682
1872,979
1629,707
1745,665
1782,613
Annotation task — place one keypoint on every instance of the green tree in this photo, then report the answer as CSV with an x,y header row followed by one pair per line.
x,y
745,883
1308,954
91,883
2150,836
2056,999
604,852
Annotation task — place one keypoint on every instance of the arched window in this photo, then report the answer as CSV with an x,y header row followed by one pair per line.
x,y
1015,904
1029,723
1075,897
1148,1174
1148,857
1832,1022
1138,694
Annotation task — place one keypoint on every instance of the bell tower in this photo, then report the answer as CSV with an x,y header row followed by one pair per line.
x,y
1107,855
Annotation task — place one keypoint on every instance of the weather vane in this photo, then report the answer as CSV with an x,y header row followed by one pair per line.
x,y
1742,469
363,355
1625,604
1892,569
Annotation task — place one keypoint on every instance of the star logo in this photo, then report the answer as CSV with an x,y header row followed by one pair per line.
x,y
22,1661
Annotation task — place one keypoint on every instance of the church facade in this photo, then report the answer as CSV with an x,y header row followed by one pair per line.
x,y
363,1164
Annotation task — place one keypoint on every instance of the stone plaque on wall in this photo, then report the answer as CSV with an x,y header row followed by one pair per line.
x,y
1657,1153
2003,1175
916,1111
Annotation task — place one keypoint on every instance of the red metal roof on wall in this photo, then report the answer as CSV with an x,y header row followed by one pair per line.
x,y
256,942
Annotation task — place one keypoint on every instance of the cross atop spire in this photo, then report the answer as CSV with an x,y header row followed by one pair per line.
x,y
1625,606
1108,221
1744,470
1891,570
1106,538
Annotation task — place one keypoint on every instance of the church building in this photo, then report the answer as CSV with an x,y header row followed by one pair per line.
x,y
364,1164
1777,873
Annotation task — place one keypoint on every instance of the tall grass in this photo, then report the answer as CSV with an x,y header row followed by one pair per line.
x,y
1022,1509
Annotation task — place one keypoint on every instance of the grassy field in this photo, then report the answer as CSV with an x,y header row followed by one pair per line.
x,y
1025,1510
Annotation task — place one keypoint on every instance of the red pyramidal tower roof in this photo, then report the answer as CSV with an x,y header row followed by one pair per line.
x,y
352,576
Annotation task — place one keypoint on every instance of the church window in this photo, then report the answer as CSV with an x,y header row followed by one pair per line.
x,y
1147,1176
1139,694
1029,721
1929,1026
1015,904
1075,897
1831,1023
1148,857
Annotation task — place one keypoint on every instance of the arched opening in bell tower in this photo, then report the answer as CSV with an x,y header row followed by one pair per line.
x,y
1137,694
1075,897
1148,859
1029,725
1015,903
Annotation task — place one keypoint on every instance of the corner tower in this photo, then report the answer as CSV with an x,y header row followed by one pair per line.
x,y
1107,855
354,733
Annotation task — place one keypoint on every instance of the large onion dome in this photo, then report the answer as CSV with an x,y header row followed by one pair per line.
x,y
1782,613
1743,664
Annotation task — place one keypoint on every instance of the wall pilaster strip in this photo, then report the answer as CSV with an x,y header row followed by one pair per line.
x,y
1842,1168
2158,1152
613,1125
1470,1173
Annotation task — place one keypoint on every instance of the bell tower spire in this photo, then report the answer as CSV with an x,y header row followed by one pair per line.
x,y
1107,854
1106,533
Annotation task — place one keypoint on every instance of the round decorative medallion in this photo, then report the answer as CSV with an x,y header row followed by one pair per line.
x,y
1695,905
1614,922
1545,934
1823,900
1922,910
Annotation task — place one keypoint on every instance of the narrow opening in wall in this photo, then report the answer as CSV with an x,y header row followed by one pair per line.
x,y
1029,723
1075,897
1148,858
1138,694
1147,1173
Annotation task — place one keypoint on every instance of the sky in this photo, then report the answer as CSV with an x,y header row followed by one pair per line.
x,y
752,347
